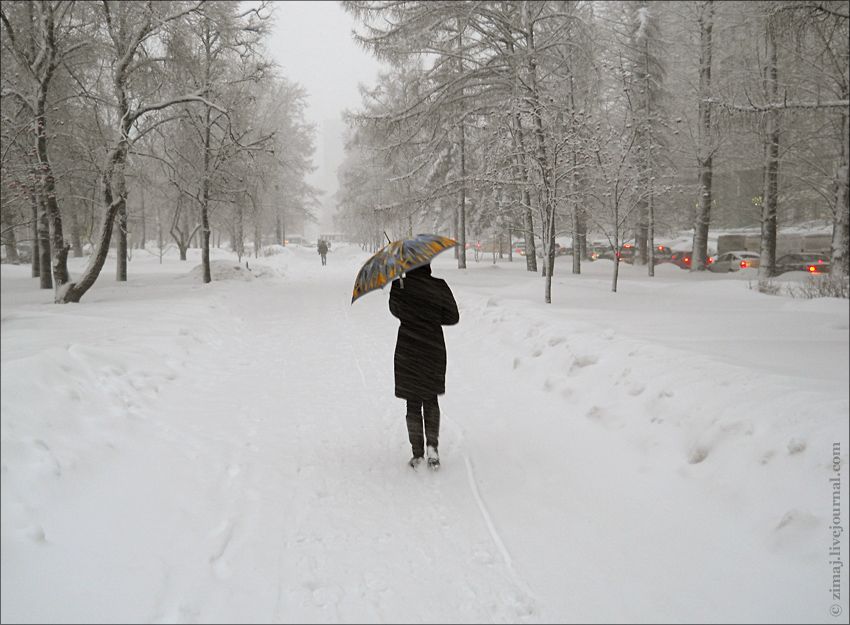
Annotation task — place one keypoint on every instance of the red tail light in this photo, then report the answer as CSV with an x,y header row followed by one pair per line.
x,y
744,264
812,268
820,261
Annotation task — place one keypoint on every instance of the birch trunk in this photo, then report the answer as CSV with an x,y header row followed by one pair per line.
x,y
545,166
44,245
76,236
767,262
121,244
518,140
461,211
36,242
704,148
840,268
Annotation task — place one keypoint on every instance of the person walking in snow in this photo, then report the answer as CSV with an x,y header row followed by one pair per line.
x,y
323,251
423,304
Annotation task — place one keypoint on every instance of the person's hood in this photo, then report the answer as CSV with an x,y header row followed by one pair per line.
x,y
423,271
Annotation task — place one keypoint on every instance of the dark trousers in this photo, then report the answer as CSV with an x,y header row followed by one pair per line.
x,y
324,259
419,410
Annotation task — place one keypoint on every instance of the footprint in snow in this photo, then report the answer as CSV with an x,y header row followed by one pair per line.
x,y
581,362
698,454
796,446
798,520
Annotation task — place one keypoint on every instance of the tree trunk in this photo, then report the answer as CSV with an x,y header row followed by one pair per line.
x,y
144,233
650,170
11,244
578,225
518,140
840,265
205,191
187,234
76,238
650,233
114,196
616,275
238,232
767,262
36,241
548,200
58,248
258,237
121,244
641,231
461,210
704,149
44,245
160,243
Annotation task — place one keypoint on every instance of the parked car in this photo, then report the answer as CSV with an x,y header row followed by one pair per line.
x,y
809,262
734,261
519,248
628,250
626,253
594,251
682,259
662,254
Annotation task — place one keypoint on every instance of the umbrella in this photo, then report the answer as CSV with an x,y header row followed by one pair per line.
x,y
396,258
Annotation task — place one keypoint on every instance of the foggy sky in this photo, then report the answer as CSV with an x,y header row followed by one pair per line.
x,y
311,41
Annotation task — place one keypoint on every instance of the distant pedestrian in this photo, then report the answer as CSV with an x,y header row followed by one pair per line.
x,y
423,304
323,251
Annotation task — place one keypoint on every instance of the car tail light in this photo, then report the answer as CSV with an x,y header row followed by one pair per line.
x,y
710,260
744,264
812,268
820,261
686,260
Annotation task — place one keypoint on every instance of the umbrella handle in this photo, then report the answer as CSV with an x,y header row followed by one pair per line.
x,y
400,279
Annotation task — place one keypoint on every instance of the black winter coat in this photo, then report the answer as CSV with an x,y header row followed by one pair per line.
x,y
423,306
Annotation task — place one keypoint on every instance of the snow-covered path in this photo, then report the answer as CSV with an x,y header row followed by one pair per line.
x,y
309,491
174,452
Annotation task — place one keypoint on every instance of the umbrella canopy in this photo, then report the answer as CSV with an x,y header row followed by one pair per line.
x,y
395,258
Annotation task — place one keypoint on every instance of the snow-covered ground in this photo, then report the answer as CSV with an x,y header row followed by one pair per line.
x,y
233,452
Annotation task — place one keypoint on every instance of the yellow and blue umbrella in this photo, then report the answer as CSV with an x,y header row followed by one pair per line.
x,y
396,258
